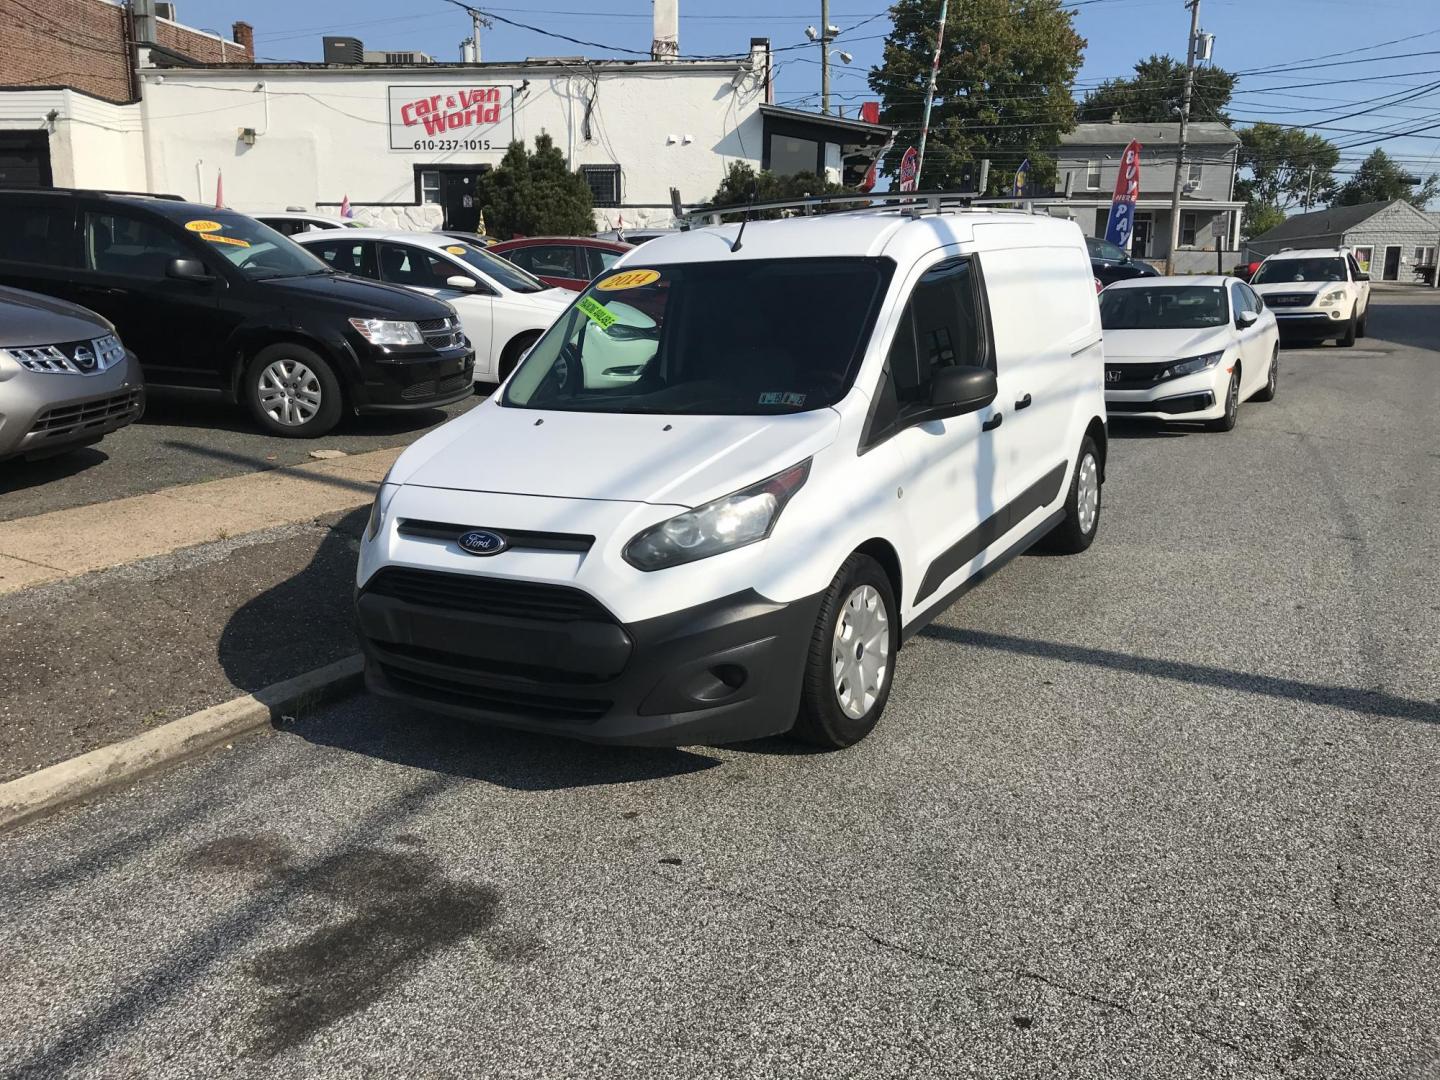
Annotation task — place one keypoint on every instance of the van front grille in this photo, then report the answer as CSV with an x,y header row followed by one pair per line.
x,y
488,595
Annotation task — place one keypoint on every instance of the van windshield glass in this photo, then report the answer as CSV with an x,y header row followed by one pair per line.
x,y
256,250
1320,269
1168,307
723,338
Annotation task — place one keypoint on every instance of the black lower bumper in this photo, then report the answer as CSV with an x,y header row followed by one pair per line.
x,y
416,384
1311,326
1171,406
724,671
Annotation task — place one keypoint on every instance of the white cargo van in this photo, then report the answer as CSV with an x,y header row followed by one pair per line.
x,y
737,473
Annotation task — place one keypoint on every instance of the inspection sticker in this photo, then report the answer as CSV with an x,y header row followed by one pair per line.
x,y
455,249
628,279
204,226
603,316
216,238
774,397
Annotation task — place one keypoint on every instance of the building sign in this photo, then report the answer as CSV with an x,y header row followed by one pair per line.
x,y
1121,227
463,116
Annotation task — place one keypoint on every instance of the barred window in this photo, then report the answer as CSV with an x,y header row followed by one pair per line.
x,y
604,181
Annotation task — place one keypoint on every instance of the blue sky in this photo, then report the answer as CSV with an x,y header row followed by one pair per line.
x,y
1252,35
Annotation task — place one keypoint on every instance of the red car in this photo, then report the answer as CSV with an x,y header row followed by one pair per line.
x,y
567,262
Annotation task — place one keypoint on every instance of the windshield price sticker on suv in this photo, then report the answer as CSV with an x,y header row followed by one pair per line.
x,y
602,316
629,279
216,238
203,226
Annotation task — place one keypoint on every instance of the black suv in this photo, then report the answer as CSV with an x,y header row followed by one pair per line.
x,y
1111,263
212,300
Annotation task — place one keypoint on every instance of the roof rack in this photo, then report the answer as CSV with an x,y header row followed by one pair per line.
x,y
912,203
93,191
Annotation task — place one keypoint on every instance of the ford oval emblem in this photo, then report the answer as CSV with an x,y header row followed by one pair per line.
x,y
482,542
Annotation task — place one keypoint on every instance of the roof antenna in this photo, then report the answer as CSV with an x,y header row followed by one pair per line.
x,y
749,206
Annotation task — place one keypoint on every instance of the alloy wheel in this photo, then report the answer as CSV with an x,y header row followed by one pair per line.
x,y
860,651
290,392
1087,493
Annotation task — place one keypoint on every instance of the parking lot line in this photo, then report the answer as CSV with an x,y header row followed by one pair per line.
x,y
65,543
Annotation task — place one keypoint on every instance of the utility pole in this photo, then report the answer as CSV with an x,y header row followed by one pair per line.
x,y
1310,186
477,23
930,98
1194,6
825,56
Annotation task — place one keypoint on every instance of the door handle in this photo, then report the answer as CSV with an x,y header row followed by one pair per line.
x,y
102,290
993,422
1023,403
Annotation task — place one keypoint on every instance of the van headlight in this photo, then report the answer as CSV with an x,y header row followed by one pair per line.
x,y
730,522
1335,296
380,505
1194,364
388,332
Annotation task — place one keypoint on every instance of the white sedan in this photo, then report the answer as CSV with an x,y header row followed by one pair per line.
x,y
503,308
1187,348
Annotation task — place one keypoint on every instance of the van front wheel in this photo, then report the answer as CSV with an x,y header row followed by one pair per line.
x,y
851,662
1082,505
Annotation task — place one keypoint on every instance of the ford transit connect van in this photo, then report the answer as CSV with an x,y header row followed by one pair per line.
x,y
737,473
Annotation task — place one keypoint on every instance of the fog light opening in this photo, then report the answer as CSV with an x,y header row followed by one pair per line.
x,y
732,675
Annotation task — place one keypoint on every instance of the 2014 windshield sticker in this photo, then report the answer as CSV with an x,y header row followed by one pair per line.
x,y
602,316
776,398
628,279
455,249
216,238
204,226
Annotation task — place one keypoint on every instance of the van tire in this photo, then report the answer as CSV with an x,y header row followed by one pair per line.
x,y
1360,327
1347,339
822,721
1070,537
318,375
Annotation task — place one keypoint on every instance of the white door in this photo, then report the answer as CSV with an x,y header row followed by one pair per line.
x,y
953,498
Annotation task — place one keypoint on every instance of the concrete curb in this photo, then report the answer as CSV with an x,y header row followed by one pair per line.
x,y
53,787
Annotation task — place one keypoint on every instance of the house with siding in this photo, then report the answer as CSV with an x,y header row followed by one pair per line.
x,y
1391,240
1209,212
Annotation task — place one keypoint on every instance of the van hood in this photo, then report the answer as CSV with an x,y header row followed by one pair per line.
x,y
28,319
361,298
1164,344
622,457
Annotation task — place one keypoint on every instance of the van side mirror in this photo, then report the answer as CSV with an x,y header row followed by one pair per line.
x,y
1246,318
955,391
188,270
461,282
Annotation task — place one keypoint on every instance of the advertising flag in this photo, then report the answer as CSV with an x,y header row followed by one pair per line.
x,y
1022,180
219,190
1121,226
909,169
345,211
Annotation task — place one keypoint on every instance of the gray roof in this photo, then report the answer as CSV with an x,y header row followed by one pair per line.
x,y
1332,221
1150,135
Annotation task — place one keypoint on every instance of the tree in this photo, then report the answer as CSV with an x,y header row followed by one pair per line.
x,y
742,184
1157,92
1003,91
535,194
1278,162
1260,218
1379,179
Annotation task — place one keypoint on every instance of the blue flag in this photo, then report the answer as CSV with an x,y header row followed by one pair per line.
x,y
1022,180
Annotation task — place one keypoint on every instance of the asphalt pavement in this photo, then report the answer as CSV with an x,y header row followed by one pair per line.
x,y
188,439
1165,809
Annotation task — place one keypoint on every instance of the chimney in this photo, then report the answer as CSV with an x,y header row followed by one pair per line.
x,y
243,34
666,44
763,64
144,21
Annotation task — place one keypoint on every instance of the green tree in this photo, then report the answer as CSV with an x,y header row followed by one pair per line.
x,y
1156,94
535,194
1276,166
1379,179
1260,218
1003,90
742,183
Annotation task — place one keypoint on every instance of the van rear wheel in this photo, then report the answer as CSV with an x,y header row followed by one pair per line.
x,y
851,663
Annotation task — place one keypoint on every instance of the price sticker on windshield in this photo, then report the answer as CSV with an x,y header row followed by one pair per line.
x,y
602,316
455,249
216,238
628,279
203,226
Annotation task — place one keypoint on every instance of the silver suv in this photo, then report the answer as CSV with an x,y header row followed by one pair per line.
x,y
65,378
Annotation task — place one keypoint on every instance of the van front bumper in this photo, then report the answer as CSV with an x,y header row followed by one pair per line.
x,y
723,671
1312,324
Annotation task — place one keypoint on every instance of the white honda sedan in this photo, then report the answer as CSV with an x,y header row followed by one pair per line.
x,y
1187,349
503,308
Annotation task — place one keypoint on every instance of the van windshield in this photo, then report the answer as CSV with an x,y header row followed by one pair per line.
x,y
723,338
1164,307
1319,269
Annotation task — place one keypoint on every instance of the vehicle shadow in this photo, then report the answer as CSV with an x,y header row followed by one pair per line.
x,y
19,474
179,409
307,621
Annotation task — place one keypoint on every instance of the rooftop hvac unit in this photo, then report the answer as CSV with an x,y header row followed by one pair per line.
x,y
344,50
166,11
